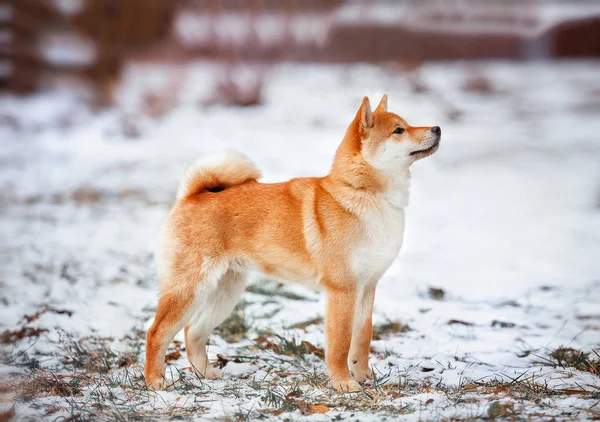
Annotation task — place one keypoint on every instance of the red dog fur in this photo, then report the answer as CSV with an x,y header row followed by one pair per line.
x,y
341,231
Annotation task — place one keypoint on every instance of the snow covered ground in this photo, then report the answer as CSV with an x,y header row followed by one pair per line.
x,y
500,265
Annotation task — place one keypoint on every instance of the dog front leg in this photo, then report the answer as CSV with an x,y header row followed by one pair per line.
x,y
338,330
362,333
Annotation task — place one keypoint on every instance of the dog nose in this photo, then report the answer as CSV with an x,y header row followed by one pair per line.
x,y
436,130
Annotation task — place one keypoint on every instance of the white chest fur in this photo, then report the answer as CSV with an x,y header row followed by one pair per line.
x,y
383,231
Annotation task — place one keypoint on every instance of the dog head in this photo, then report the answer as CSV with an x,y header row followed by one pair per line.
x,y
388,142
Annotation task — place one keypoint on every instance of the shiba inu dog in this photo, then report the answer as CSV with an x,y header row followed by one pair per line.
x,y
341,231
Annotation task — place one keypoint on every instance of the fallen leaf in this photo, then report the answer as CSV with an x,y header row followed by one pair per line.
x,y
221,361
172,356
8,414
319,408
320,353
429,401
309,409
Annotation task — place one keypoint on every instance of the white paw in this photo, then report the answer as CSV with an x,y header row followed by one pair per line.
x,y
213,373
209,373
346,385
362,374
156,383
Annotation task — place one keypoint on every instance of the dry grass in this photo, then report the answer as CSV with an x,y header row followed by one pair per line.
x,y
288,346
566,357
267,288
95,355
91,380
389,328
48,383
96,382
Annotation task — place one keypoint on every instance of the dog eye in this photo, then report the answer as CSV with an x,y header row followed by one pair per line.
x,y
399,130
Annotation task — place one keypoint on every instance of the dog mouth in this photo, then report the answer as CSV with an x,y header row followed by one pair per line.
x,y
426,150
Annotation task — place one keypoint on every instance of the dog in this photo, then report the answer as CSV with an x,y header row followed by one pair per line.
x,y
341,231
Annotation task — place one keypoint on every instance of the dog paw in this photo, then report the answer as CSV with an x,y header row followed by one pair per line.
x,y
156,383
213,373
346,385
362,374
209,373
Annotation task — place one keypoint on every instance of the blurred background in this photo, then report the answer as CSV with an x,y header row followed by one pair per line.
x,y
46,42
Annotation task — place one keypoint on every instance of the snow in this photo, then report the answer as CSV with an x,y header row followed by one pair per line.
x,y
504,218
552,14
6,12
381,13
528,18
69,7
237,30
67,49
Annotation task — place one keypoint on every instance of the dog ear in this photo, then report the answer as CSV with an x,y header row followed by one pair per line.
x,y
382,104
366,115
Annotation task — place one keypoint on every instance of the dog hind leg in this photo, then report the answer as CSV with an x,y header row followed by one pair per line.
x,y
171,314
213,308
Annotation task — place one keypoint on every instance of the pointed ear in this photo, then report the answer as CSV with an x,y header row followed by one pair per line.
x,y
365,113
382,104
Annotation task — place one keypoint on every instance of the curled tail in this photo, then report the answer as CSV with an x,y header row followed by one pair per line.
x,y
216,172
